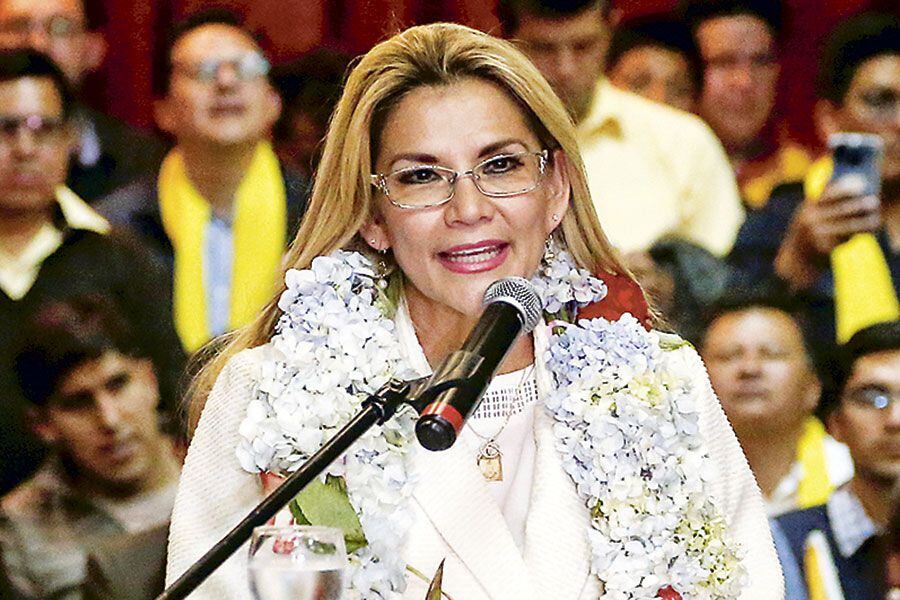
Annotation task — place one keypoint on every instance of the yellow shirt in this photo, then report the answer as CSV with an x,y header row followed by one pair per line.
x,y
790,163
655,171
18,272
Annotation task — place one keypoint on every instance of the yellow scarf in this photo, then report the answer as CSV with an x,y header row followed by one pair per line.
x,y
822,580
815,486
260,223
863,289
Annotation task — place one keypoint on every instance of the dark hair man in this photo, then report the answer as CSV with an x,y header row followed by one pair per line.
x,y
655,57
800,237
738,43
837,542
108,153
221,209
766,380
310,87
52,245
652,170
93,399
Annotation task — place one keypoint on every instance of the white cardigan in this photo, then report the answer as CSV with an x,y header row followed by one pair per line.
x,y
454,515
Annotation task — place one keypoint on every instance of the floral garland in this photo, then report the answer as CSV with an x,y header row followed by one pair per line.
x,y
627,430
332,348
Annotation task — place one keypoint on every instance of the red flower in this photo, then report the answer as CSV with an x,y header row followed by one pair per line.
x,y
668,593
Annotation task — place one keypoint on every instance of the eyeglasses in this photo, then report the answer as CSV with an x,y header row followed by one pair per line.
x,y
56,27
731,62
247,66
879,104
873,397
43,129
500,176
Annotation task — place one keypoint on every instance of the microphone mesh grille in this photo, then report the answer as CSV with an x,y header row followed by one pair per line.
x,y
519,293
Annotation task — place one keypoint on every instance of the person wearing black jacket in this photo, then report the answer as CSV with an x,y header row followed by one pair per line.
x,y
54,246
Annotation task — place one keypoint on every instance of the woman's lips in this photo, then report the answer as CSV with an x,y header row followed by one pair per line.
x,y
474,258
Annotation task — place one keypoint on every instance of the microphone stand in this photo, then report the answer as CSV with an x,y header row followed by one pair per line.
x,y
377,408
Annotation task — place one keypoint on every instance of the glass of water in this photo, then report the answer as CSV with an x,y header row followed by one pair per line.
x,y
297,562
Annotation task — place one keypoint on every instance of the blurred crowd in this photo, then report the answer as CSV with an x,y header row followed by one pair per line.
x,y
126,256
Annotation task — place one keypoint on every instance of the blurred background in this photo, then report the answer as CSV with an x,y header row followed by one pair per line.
x,y
136,27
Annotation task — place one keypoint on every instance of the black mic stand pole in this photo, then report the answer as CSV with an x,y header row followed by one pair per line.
x,y
377,408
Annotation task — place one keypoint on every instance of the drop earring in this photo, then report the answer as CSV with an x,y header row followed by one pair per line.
x,y
381,268
549,250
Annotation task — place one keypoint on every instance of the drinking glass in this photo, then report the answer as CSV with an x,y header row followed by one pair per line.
x,y
297,562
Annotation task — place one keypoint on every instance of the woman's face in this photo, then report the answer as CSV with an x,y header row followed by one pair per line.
x,y
451,253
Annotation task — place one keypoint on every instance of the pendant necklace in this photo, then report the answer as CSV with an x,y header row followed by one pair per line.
x,y
490,459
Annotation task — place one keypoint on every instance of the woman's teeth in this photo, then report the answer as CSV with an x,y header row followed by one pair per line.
x,y
474,256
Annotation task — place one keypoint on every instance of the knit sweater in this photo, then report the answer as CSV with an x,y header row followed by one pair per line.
x,y
215,493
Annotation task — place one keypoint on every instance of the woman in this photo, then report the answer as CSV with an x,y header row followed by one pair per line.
x,y
450,164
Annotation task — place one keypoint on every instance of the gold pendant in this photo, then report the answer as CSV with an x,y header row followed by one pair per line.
x,y
490,461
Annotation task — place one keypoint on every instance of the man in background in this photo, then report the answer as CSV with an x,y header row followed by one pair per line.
x,y
765,378
53,245
652,170
800,238
655,57
837,543
221,209
107,153
310,88
93,400
738,43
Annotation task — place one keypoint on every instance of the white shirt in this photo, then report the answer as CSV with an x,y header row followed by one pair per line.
x,y
515,394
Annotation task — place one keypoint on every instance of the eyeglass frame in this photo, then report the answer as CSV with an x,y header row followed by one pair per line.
x,y
54,126
196,72
379,180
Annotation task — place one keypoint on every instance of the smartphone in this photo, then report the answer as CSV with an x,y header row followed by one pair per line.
x,y
857,154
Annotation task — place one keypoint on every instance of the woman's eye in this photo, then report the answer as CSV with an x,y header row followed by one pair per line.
x,y
501,164
418,176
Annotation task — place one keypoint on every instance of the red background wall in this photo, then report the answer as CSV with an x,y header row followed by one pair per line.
x,y
290,27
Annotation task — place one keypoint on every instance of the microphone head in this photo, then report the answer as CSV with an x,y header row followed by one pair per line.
x,y
521,295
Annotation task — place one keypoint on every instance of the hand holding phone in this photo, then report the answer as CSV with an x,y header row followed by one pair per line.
x,y
849,205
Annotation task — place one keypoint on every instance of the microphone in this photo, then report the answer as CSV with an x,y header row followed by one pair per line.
x,y
455,388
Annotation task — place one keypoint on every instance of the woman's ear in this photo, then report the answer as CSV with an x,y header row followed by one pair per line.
x,y
559,190
375,235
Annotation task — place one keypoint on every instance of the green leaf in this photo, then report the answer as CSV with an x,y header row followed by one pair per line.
x,y
672,341
297,513
327,504
434,590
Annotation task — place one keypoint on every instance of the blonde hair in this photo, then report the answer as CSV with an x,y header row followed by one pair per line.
x,y
342,198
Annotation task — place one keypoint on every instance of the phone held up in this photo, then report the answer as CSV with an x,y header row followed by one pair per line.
x,y
857,154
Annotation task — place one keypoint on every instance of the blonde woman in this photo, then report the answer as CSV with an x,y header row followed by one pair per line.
x,y
599,462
